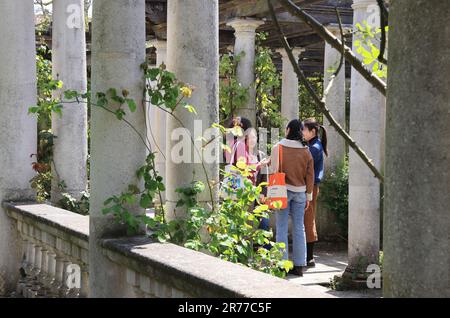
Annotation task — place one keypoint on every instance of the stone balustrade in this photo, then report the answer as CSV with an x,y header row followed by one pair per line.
x,y
54,251
156,270
55,263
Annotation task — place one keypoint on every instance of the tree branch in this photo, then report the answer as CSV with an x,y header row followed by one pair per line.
x,y
335,43
341,29
383,9
320,105
384,16
341,62
149,127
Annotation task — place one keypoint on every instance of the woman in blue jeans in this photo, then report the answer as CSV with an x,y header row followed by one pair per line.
x,y
297,164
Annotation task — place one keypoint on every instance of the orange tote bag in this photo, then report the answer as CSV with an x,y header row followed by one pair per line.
x,y
277,190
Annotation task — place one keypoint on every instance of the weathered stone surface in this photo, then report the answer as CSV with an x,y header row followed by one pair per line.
x,y
146,268
69,66
335,101
289,91
416,212
156,121
199,275
17,127
245,34
194,58
61,223
367,112
47,232
118,51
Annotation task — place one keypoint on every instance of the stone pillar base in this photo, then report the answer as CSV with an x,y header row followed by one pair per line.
x,y
355,279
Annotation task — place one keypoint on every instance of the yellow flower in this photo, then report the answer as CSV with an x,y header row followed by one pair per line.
x,y
186,91
241,163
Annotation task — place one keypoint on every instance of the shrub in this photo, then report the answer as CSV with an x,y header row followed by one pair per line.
x,y
334,194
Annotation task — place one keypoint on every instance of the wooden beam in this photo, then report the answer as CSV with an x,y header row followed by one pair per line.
x,y
252,8
156,11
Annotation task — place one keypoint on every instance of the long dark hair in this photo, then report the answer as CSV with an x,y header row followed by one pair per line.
x,y
313,124
295,130
245,123
246,126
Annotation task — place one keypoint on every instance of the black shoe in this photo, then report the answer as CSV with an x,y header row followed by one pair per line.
x,y
311,263
298,271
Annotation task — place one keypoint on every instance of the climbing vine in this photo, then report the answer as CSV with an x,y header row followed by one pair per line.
x,y
307,106
231,232
367,43
267,83
232,95
334,195
46,104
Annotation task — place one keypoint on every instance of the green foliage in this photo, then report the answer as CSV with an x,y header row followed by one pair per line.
x,y
367,43
334,194
42,183
231,233
46,104
267,83
232,95
46,85
337,283
235,235
308,107
45,20
186,230
165,91
121,206
70,203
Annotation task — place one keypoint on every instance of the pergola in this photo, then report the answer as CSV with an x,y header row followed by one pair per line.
x,y
44,241
188,37
298,33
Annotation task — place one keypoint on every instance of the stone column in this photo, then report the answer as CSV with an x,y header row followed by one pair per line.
x,y
289,89
17,127
59,275
325,219
367,128
50,270
118,51
335,101
245,33
22,279
69,66
156,127
194,58
416,233
84,288
36,284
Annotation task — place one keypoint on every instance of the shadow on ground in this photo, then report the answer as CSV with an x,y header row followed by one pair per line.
x,y
331,260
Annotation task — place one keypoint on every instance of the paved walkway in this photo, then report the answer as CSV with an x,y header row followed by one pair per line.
x,y
330,263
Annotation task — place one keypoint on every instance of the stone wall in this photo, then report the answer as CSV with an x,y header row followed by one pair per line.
x,y
55,263
54,253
